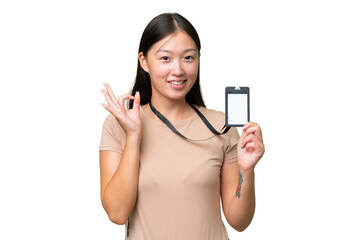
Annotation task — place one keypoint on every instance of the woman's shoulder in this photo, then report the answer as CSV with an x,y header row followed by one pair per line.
x,y
215,117
111,123
211,113
110,120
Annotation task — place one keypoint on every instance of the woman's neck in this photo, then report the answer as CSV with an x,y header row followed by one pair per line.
x,y
174,111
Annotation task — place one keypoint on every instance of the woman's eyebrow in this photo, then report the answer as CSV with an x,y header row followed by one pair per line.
x,y
163,50
190,49
168,51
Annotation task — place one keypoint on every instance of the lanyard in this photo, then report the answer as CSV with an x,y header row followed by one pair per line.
x,y
202,117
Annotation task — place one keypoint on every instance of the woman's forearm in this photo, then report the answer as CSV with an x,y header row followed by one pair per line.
x,y
242,205
121,192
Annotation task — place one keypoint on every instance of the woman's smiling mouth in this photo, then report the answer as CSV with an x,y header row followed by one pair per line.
x,y
178,84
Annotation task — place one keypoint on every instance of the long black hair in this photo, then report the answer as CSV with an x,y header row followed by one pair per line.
x,y
157,29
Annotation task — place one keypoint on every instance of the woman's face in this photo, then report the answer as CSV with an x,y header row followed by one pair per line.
x,y
173,65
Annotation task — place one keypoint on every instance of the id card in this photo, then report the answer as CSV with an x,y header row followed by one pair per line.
x,y
237,106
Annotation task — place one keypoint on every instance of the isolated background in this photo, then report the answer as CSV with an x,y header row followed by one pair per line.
x,y
300,58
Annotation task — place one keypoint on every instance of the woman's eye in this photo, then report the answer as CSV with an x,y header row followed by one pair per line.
x,y
165,58
189,58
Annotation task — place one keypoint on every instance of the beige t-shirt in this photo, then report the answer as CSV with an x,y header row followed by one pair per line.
x,y
179,180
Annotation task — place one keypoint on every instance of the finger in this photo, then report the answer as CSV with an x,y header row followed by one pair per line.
x,y
106,106
245,129
247,139
114,108
111,94
107,97
137,101
249,124
250,145
114,111
256,130
122,99
243,135
109,108
258,148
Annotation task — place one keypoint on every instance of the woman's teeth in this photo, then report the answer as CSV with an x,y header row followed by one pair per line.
x,y
177,82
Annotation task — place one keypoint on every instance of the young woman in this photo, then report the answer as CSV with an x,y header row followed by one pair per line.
x,y
161,185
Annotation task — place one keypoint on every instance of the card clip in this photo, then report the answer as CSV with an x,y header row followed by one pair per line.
x,y
237,88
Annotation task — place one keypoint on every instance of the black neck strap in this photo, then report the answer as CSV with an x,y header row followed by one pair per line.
x,y
202,117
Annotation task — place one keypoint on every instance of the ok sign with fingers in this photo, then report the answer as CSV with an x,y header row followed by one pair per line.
x,y
128,119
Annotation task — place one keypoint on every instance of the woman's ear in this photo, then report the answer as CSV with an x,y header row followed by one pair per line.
x,y
143,62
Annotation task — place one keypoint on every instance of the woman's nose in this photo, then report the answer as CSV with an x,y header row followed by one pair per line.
x,y
178,68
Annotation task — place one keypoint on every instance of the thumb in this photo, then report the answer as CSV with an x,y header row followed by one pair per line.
x,y
137,101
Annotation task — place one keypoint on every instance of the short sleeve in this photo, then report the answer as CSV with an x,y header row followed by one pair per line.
x,y
112,136
231,149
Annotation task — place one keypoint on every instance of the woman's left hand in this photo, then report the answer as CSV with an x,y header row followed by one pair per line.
x,y
250,147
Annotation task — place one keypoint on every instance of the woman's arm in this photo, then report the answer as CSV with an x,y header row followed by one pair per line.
x,y
238,196
119,181
120,172
238,179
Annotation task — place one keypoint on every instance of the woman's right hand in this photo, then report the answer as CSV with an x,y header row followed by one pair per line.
x,y
128,119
